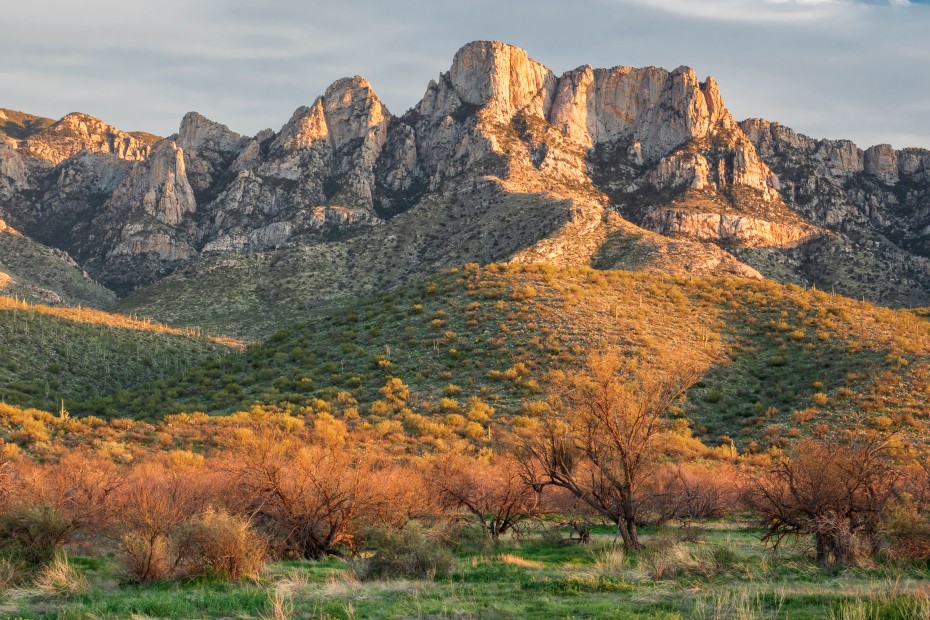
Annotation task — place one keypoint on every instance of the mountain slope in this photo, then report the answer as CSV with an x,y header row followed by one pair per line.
x,y
50,354
16,125
877,199
40,274
777,358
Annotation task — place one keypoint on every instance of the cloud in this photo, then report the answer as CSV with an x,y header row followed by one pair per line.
x,y
840,68
771,11
786,11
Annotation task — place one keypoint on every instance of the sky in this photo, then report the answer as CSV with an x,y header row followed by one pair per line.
x,y
855,69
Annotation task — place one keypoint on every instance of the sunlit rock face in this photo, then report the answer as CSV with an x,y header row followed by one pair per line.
x,y
78,132
501,158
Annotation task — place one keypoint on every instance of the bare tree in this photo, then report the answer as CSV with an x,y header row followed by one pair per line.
x,y
493,493
834,489
311,498
599,439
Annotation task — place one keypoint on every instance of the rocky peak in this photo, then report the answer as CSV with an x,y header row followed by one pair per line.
x,y
658,109
159,186
349,110
198,132
209,148
77,132
501,78
307,126
881,161
716,110
914,163
352,111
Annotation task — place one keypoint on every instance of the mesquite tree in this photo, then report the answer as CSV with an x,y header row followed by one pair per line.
x,y
598,438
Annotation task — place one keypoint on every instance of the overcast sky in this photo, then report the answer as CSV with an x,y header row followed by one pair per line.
x,y
857,69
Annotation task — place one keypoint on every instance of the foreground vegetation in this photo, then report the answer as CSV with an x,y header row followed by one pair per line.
x,y
721,571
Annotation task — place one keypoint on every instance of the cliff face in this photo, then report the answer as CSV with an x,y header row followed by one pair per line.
x,y
500,160
875,202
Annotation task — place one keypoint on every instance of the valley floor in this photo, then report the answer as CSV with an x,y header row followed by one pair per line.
x,y
717,570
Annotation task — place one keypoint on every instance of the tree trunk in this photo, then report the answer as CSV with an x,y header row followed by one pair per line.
x,y
634,534
821,547
627,530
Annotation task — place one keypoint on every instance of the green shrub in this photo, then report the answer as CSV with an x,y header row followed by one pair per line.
x,y
33,534
466,537
407,552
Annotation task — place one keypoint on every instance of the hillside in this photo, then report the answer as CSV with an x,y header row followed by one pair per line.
x,y
40,274
780,360
20,125
50,354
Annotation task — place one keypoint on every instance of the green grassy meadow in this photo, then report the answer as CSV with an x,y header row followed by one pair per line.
x,y
714,570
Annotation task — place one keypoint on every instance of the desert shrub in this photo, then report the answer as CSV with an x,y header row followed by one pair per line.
x,y
34,534
51,505
908,530
689,492
311,500
491,494
148,517
407,552
223,545
147,557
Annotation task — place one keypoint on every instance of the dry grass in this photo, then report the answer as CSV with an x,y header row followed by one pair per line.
x,y
738,605
60,579
913,607
608,559
9,574
515,560
98,317
280,606
665,559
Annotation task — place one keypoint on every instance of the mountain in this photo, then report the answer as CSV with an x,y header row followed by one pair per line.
x,y
501,160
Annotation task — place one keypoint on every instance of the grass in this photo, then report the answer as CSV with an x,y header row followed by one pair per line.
x,y
526,579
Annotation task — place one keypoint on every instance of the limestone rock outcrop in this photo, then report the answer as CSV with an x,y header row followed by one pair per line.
x,y
729,229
